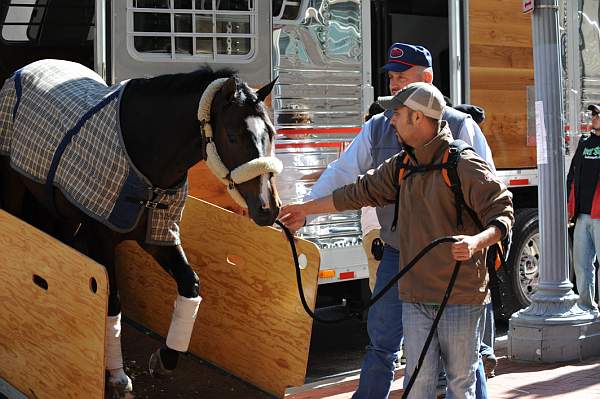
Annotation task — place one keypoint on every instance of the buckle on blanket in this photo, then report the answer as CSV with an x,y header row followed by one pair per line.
x,y
147,203
153,205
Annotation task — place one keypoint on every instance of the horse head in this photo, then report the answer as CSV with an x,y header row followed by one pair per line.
x,y
243,137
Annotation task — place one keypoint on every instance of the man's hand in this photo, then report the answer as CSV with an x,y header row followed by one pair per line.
x,y
465,248
293,216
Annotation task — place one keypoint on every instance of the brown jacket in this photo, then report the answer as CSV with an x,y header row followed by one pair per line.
x,y
427,212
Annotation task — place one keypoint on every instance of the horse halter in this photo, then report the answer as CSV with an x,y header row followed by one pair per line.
x,y
243,173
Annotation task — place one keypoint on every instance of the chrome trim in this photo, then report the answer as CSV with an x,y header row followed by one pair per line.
x,y
466,52
100,39
455,51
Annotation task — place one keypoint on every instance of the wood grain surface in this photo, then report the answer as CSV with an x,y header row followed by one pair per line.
x,y
250,322
51,340
501,68
204,185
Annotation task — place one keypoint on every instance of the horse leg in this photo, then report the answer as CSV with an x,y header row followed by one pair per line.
x,y
102,250
172,258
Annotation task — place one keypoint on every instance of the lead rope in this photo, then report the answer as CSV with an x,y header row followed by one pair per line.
x,y
385,289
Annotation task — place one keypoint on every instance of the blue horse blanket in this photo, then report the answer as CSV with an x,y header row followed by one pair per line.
x,y
59,124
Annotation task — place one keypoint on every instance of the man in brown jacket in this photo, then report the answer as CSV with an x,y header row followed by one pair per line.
x,y
427,211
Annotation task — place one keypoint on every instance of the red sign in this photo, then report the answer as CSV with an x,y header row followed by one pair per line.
x,y
527,6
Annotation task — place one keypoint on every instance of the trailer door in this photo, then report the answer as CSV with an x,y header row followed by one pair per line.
x,y
437,25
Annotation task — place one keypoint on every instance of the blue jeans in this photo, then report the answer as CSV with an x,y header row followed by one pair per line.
x,y
457,341
489,332
586,245
481,380
384,325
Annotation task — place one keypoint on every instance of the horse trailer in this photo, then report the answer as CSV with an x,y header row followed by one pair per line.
x,y
327,55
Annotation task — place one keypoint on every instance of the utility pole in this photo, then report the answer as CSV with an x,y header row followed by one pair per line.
x,y
553,328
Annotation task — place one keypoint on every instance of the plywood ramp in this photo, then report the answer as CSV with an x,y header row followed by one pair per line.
x,y
204,185
53,304
251,322
501,68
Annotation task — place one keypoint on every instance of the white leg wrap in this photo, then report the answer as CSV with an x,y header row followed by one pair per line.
x,y
114,358
182,323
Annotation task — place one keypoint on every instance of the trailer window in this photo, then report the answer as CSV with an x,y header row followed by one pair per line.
x,y
44,22
194,30
289,11
22,20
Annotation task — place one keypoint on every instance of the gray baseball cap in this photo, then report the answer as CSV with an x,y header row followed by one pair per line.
x,y
419,96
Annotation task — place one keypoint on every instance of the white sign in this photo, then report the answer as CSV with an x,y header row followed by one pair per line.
x,y
540,134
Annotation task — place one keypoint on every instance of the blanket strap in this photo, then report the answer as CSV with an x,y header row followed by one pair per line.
x,y
67,140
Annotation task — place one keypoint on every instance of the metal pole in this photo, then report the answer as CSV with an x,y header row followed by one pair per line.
x,y
552,328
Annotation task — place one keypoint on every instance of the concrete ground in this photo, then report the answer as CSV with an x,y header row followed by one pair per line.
x,y
568,380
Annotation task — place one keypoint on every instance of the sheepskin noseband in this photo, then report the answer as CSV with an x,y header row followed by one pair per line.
x,y
242,173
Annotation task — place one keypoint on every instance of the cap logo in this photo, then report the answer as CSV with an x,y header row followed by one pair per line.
x,y
396,52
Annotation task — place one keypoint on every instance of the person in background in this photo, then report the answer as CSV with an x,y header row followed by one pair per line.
x,y
489,332
583,191
372,243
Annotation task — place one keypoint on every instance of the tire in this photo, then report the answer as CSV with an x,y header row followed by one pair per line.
x,y
522,279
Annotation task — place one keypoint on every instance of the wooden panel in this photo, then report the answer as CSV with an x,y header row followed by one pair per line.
x,y
502,92
204,185
501,68
501,56
502,101
499,23
51,340
501,78
251,322
505,127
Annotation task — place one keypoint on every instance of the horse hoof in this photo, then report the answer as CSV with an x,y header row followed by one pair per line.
x,y
156,367
121,389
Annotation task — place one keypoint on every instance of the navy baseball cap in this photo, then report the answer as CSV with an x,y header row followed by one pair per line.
x,y
402,56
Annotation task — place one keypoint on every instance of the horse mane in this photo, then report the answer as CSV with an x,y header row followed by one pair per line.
x,y
184,83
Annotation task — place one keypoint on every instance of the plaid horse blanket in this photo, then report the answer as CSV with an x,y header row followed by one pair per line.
x,y
59,124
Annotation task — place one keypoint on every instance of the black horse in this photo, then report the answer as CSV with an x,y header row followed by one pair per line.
x,y
163,138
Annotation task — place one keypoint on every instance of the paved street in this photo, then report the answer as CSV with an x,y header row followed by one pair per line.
x,y
570,380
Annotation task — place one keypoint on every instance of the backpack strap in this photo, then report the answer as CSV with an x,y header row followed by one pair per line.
x,y
450,174
401,164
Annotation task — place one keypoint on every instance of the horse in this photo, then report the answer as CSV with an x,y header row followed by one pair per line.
x,y
145,133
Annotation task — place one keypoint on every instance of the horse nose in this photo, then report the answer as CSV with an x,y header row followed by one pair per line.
x,y
269,198
265,217
266,207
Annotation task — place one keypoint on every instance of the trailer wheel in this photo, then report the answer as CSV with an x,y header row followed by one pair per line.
x,y
523,260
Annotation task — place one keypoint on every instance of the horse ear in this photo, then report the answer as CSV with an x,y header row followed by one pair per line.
x,y
264,91
229,89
